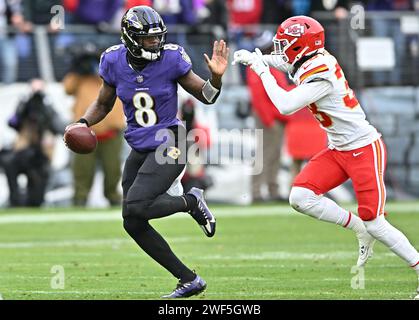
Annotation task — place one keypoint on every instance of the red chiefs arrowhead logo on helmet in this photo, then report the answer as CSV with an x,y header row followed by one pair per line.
x,y
295,30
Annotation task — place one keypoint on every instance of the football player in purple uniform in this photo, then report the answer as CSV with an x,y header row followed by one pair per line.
x,y
144,73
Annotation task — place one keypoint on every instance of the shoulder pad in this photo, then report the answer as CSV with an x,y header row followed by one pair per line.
x,y
112,53
318,67
177,49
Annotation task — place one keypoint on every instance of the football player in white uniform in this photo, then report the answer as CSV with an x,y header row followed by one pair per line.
x,y
356,150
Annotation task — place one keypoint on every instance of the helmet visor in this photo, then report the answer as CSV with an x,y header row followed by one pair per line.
x,y
151,43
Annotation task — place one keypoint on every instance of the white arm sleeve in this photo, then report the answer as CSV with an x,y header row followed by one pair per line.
x,y
288,102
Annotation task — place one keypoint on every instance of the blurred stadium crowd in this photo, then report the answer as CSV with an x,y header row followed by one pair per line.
x,y
59,42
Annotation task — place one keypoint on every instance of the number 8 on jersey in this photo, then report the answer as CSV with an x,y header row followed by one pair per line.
x,y
145,114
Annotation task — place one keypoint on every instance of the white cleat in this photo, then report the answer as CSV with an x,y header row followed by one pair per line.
x,y
366,243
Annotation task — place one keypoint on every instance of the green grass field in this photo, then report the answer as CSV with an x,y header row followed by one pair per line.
x,y
258,252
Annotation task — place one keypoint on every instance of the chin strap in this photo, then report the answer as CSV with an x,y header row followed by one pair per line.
x,y
299,56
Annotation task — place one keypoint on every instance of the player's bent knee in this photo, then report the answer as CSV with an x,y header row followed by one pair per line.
x,y
377,227
129,227
138,209
366,213
134,226
302,199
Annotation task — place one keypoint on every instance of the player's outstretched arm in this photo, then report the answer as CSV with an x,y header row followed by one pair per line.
x,y
98,110
208,91
218,62
288,102
246,57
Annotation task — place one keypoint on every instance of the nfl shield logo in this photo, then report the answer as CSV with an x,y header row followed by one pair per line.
x,y
140,79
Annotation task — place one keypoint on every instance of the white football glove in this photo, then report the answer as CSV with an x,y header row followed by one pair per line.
x,y
257,63
242,56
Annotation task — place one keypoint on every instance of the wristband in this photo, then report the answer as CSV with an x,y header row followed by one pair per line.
x,y
83,120
209,91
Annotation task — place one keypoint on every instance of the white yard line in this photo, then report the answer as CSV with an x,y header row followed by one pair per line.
x,y
59,217
66,243
113,242
286,255
90,216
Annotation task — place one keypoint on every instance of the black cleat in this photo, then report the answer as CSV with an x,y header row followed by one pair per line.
x,y
202,214
187,289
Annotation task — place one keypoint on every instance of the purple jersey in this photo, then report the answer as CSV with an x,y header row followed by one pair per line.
x,y
149,96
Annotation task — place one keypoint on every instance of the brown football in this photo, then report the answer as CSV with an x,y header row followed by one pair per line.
x,y
80,139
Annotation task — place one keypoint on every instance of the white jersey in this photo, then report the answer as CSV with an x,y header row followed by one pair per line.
x,y
339,111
